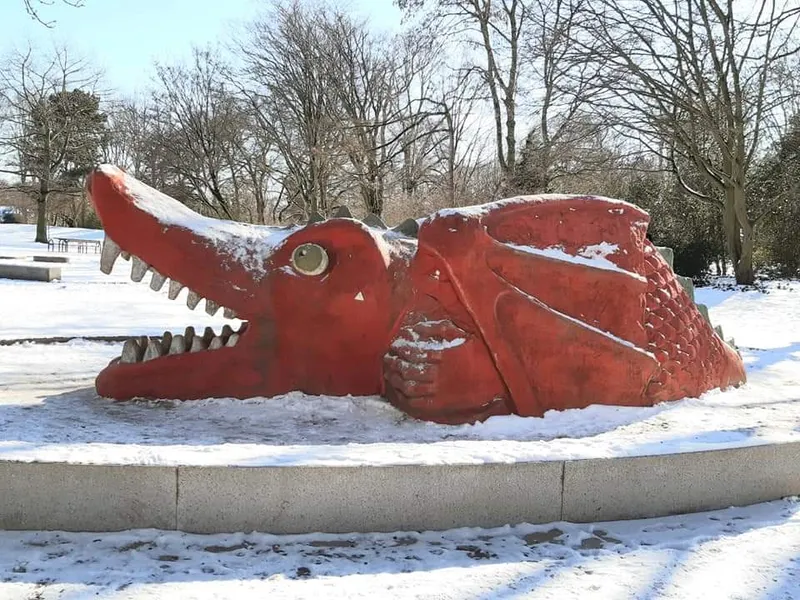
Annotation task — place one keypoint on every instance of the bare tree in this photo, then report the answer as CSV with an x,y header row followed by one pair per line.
x,y
693,82
50,125
202,125
496,29
284,81
382,91
32,7
562,144
459,149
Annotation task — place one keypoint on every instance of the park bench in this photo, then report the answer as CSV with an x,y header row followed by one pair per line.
x,y
61,244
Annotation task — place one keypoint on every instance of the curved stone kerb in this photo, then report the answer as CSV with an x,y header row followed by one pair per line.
x,y
300,499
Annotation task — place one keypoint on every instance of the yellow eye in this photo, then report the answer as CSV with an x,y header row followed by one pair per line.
x,y
310,259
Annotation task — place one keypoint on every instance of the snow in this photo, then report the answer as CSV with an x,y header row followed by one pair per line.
x,y
590,256
480,210
747,552
85,302
50,412
250,245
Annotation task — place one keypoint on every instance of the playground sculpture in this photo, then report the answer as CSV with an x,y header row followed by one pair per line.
x,y
514,307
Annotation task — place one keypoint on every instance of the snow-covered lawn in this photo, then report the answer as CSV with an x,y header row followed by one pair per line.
x,y
49,411
745,553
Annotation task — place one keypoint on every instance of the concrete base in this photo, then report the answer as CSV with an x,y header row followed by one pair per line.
x,y
411,498
29,272
51,259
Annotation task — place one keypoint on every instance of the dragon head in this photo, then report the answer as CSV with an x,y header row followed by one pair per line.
x,y
318,302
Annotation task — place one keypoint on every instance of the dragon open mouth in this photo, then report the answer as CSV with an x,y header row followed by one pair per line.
x,y
147,348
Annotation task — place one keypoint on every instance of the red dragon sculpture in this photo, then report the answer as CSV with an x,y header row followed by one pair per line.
x,y
514,307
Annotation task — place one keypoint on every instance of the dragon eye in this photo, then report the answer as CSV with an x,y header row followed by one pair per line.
x,y
310,259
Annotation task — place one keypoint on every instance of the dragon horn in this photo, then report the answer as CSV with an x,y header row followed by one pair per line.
x,y
409,227
342,213
315,217
373,220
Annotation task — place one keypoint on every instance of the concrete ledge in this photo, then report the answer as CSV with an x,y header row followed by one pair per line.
x,y
344,499
340,500
30,272
51,259
653,486
56,496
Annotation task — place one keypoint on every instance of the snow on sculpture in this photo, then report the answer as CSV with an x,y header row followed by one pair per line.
x,y
513,307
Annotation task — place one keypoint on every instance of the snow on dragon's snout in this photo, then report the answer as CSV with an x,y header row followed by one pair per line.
x,y
518,306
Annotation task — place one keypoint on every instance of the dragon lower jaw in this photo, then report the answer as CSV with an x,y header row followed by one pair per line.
x,y
175,364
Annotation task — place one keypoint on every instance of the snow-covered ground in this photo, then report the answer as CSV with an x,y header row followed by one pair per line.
x,y
744,553
49,411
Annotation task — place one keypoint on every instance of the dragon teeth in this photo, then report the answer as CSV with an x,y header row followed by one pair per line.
x,y
211,307
193,299
138,268
125,255
144,349
177,345
109,255
229,313
157,281
175,288
153,350
131,352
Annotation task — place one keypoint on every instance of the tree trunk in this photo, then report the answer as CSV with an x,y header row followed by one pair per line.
x,y
511,139
41,214
745,274
738,236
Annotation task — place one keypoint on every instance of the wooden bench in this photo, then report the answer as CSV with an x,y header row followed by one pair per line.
x,y
29,272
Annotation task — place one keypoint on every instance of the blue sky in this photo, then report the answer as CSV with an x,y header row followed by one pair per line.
x,y
124,37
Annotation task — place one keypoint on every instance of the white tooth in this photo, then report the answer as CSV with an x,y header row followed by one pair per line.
x,y
229,313
131,352
109,255
175,288
157,281
233,340
153,350
211,307
177,345
125,255
216,344
198,344
193,299
138,268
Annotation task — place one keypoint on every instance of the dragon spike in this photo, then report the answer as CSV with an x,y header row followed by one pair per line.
x,y
409,227
373,220
342,213
315,217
